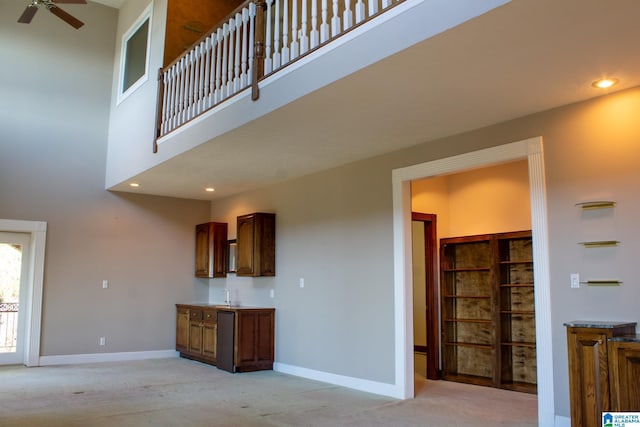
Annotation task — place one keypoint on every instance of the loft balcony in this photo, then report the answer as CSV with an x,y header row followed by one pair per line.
x,y
281,89
257,40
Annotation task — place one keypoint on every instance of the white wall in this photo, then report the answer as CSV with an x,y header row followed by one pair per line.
x,y
55,83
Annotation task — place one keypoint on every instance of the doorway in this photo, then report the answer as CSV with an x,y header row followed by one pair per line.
x,y
530,149
14,269
29,313
425,298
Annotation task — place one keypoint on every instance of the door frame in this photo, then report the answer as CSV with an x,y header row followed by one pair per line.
x,y
431,269
34,284
530,149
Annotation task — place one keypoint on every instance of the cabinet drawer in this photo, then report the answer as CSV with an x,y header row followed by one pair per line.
x,y
195,314
209,316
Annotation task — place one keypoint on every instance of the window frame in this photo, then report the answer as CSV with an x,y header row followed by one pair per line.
x,y
145,16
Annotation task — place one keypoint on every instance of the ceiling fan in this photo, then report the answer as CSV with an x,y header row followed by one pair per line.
x,y
32,8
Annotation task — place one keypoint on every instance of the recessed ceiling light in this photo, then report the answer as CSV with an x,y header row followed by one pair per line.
x,y
210,189
605,83
134,184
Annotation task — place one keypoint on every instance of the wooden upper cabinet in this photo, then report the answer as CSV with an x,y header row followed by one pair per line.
x,y
211,250
256,245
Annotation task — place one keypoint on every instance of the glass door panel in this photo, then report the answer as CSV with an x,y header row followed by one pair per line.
x,y
13,271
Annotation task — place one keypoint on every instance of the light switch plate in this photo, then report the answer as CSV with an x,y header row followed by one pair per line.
x,y
575,280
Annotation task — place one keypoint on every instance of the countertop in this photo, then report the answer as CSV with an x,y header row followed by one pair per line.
x,y
223,306
626,338
597,324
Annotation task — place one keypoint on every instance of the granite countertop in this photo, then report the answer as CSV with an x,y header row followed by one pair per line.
x,y
223,306
626,338
597,324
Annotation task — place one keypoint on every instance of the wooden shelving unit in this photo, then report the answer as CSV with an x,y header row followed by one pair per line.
x,y
517,312
488,315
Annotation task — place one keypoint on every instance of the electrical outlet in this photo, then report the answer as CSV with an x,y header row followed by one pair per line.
x,y
105,284
302,282
103,341
272,293
575,280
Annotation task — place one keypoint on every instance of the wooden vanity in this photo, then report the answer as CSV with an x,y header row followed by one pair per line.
x,y
235,339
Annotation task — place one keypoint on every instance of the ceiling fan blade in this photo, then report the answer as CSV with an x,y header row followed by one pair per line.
x,y
28,14
74,22
70,1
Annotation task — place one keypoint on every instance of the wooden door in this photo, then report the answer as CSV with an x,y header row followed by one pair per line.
x,y
431,293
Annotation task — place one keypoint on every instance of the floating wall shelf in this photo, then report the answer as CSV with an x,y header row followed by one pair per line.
x,y
600,243
600,204
602,283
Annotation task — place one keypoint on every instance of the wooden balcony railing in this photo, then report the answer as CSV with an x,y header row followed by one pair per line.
x,y
257,39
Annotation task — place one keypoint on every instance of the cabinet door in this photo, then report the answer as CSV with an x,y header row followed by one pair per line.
x,y
624,362
209,331
195,331
256,247
211,250
182,329
255,340
245,246
588,377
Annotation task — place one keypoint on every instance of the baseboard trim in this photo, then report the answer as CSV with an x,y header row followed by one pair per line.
x,y
562,421
72,359
389,390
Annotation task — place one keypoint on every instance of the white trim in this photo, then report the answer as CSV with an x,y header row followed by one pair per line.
x,y
530,149
33,314
74,359
340,380
146,14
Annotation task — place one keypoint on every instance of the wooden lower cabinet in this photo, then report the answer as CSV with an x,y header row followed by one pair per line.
x,y
254,334
196,331
589,362
234,339
624,371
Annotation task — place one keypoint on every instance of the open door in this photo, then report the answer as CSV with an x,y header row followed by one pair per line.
x,y
426,336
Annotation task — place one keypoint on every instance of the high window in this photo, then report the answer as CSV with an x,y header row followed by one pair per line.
x,y
135,55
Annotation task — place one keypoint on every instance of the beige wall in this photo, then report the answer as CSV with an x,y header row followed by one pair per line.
x,y
481,201
335,230
54,111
